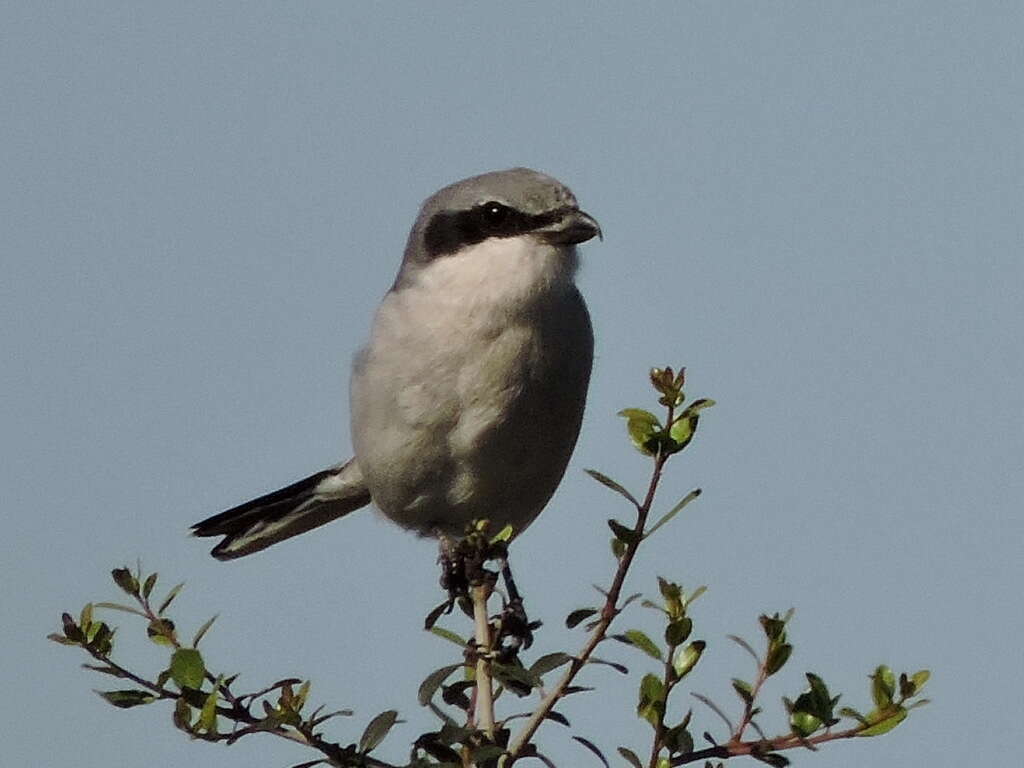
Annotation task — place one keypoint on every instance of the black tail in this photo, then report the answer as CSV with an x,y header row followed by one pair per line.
x,y
287,512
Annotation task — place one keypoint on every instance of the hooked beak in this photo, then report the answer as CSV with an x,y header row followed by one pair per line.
x,y
572,227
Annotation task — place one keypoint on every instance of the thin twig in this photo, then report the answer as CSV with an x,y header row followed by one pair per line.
x,y
669,681
762,746
608,614
240,714
748,709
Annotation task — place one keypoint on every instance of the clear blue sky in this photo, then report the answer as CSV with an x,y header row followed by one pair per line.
x,y
815,206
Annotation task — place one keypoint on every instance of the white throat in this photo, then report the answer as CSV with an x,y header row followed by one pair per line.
x,y
499,274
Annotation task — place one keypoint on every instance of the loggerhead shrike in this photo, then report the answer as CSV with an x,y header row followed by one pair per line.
x,y
467,401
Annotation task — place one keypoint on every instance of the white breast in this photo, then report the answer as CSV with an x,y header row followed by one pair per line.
x,y
446,356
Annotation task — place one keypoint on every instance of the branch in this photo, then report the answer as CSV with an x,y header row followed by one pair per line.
x,y
764,746
484,686
608,614
284,721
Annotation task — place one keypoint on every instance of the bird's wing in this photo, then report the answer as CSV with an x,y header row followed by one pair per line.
x,y
295,509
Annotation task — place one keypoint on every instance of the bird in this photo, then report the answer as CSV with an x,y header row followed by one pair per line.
x,y
466,403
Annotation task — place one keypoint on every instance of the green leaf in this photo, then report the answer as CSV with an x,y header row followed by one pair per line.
x,y
693,598
651,706
743,689
571,689
714,708
505,534
678,630
628,601
119,607
777,657
697,406
590,745
448,635
644,643
127,699
376,730
580,614
746,647
804,723
301,695
455,694
435,614
883,686
820,696
652,712
517,679
72,631
114,672
919,678
674,511
885,724
100,636
853,713
549,662
208,714
287,706
317,719
771,758
161,631
433,681
651,688
183,715
642,427
91,629
606,481
618,548
203,630
687,657
812,708
126,581
678,739
621,668
672,593
187,668
85,618
622,533
640,415
630,757
147,587
170,598
774,627
558,717
682,432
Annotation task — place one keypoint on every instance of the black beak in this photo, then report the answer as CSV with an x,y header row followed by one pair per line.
x,y
573,227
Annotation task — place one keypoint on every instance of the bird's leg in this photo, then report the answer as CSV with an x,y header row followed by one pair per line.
x,y
453,577
516,627
510,583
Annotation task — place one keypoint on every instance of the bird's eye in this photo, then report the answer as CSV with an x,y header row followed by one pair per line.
x,y
494,214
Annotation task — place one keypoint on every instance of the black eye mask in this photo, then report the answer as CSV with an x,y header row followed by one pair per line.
x,y
448,232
